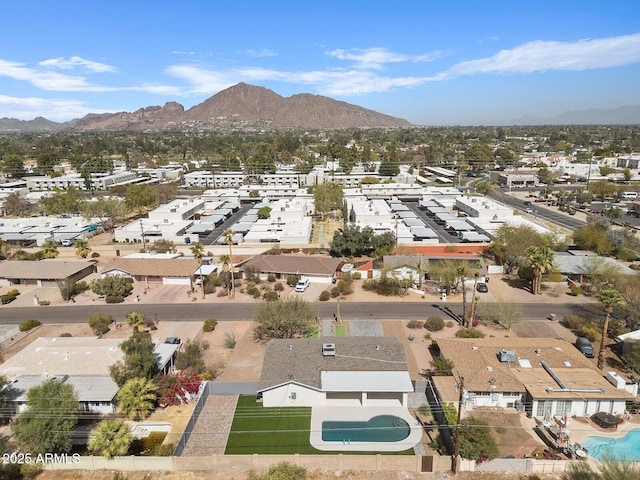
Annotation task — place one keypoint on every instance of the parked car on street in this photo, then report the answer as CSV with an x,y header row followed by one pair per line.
x,y
482,287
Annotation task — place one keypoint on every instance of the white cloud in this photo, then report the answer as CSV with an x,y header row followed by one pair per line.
x,y
265,52
55,109
542,56
77,62
376,58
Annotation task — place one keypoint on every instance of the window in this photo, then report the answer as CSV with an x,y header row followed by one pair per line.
x,y
562,407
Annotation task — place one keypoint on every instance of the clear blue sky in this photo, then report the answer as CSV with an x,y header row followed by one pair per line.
x,y
430,62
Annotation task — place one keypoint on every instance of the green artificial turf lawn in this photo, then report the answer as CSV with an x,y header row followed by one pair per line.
x,y
283,430
256,429
341,331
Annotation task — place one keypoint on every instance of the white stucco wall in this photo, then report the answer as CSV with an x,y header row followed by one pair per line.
x,y
282,396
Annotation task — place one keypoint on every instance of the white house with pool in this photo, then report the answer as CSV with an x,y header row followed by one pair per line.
x,y
357,388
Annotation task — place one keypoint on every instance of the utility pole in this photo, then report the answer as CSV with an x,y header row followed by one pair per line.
x,y
456,447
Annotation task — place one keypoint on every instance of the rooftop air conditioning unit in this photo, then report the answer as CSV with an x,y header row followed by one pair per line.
x,y
507,355
328,349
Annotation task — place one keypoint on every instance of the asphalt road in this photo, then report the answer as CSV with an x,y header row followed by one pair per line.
x,y
352,311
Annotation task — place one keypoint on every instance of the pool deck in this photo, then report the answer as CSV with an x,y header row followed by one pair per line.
x,y
579,429
348,413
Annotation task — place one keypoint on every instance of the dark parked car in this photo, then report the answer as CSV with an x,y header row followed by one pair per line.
x,y
584,345
482,287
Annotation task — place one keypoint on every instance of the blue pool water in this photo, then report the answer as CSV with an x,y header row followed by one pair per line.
x,y
626,448
383,428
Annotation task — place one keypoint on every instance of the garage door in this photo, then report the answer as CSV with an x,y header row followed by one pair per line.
x,y
176,281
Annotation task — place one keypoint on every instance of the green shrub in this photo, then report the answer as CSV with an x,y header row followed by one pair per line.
x,y
14,292
356,275
4,299
324,296
575,322
271,278
292,280
230,340
469,333
114,299
65,334
575,290
434,323
278,287
591,333
29,324
345,287
335,292
415,324
95,255
254,291
270,296
209,325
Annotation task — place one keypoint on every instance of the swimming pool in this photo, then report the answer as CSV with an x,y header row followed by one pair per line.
x,y
381,428
627,447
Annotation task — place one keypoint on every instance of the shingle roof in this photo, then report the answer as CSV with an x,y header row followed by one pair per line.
x,y
294,264
154,267
301,360
50,269
476,359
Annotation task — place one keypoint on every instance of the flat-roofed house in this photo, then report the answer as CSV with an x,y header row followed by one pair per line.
x,y
335,371
81,361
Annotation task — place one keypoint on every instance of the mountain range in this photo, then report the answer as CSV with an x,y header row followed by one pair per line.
x,y
244,106
237,107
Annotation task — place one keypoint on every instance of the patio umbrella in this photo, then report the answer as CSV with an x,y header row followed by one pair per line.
x,y
604,419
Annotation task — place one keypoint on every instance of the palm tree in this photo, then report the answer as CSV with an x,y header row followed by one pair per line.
x,y
198,251
540,261
224,258
137,398
228,238
461,270
82,248
49,249
111,438
474,300
136,320
609,298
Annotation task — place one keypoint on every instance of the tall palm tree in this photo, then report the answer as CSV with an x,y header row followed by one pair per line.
x,y
136,320
474,300
540,260
461,270
111,438
198,251
609,298
225,259
49,249
137,398
228,238
82,248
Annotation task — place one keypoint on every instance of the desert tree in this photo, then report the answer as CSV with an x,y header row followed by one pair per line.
x,y
47,425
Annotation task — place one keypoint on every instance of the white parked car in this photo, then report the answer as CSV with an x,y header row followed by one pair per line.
x,y
302,285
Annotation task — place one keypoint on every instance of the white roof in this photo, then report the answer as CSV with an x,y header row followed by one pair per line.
x,y
348,381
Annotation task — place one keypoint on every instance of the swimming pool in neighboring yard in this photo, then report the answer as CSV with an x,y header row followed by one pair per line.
x,y
381,428
627,447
